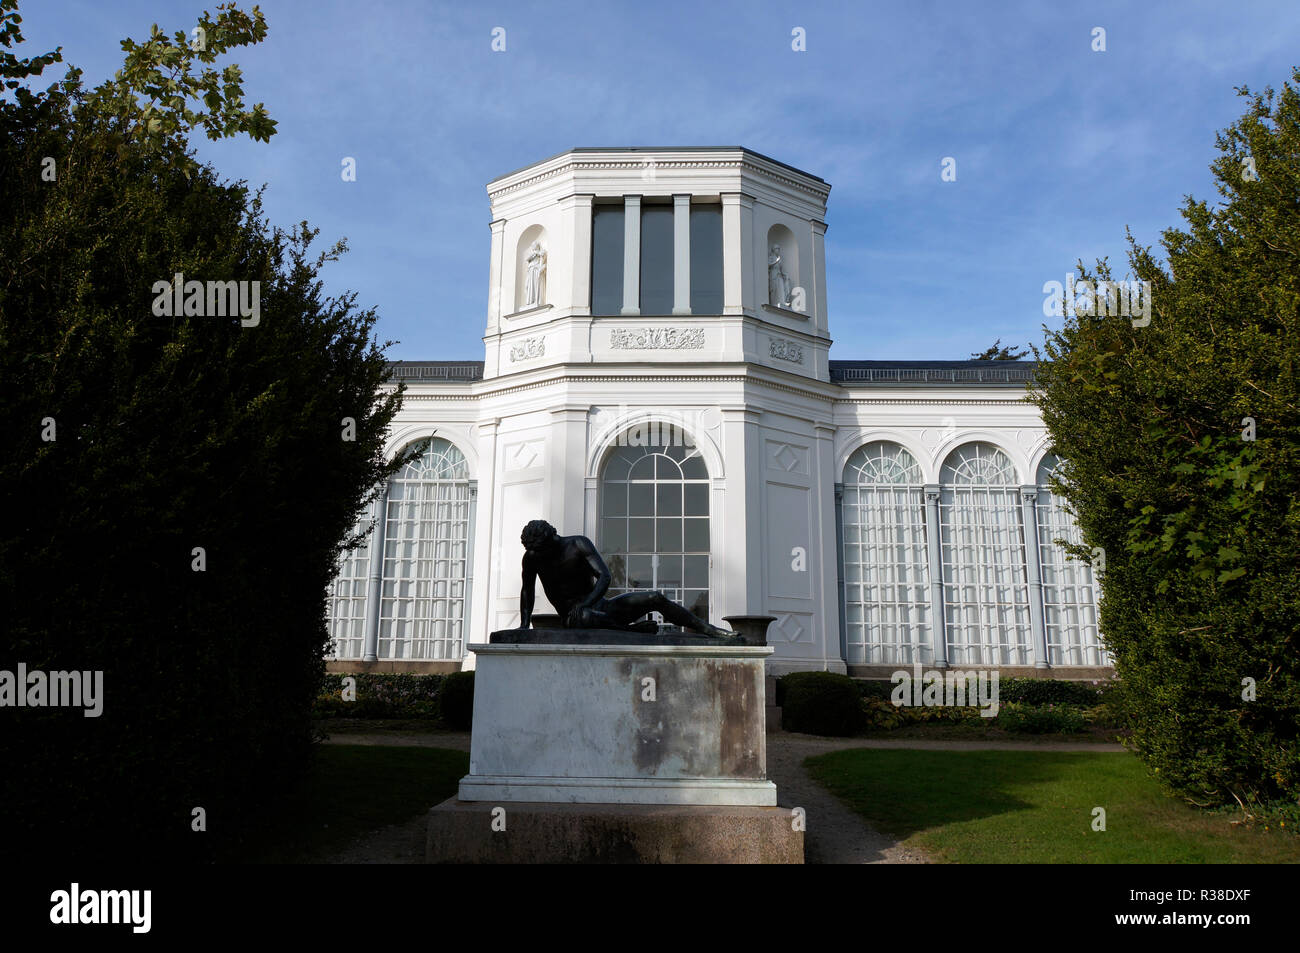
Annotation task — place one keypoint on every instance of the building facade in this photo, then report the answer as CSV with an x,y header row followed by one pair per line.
x,y
657,376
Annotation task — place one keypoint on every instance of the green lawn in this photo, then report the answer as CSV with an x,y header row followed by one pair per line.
x,y
1036,807
354,789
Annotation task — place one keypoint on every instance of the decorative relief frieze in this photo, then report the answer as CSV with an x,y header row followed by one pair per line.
x,y
785,350
528,348
645,339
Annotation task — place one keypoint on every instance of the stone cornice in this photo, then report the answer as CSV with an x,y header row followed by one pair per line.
x,y
740,162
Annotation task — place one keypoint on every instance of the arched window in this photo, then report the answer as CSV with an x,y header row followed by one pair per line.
x,y
426,545
1069,585
886,578
347,607
654,526
986,592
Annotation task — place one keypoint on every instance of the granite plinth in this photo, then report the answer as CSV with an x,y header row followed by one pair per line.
x,y
461,832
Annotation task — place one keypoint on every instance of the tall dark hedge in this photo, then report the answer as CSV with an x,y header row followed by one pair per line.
x,y
171,433
1183,445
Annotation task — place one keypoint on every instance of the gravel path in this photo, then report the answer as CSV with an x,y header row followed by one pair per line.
x,y
835,834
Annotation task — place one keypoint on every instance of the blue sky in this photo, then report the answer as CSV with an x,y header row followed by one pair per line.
x,y
1058,147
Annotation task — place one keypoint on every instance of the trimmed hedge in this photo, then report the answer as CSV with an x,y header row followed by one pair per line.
x,y
821,703
380,696
1030,691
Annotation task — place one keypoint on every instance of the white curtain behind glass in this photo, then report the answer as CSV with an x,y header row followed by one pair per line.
x,y
986,592
886,575
1069,585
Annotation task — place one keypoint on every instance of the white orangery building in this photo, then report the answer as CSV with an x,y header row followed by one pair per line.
x,y
657,377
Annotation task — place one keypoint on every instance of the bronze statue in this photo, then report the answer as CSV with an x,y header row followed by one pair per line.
x,y
575,579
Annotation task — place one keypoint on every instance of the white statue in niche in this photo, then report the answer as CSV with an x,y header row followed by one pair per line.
x,y
778,282
535,275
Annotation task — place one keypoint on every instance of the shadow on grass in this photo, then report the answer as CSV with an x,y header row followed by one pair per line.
x,y
352,790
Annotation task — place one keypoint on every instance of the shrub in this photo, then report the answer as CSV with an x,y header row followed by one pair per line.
x,y
1049,691
380,696
1040,719
1181,442
456,701
822,703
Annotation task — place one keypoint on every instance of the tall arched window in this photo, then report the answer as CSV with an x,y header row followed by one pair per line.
x,y
886,580
426,545
347,607
1069,584
986,593
654,526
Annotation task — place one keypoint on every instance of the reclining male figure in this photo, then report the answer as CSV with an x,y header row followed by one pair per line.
x,y
575,579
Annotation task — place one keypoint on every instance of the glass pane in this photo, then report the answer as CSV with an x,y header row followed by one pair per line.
x,y
706,259
697,499
697,536
670,572
607,259
693,468
697,572
639,572
666,468
670,536
668,499
698,602
617,466
617,572
641,535
656,259
641,499
615,499
643,469
614,536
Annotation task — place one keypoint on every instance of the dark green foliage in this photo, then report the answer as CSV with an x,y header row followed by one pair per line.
x,y
171,433
1200,523
1032,691
1049,691
380,696
1041,719
456,701
821,703
999,352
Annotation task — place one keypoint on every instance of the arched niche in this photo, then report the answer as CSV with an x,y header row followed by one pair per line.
x,y
531,276
783,276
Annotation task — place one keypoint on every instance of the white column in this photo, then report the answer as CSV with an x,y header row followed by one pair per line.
x,y
631,254
498,228
736,538
737,258
816,276
1029,509
577,209
933,544
565,462
681,254
374,589
480,613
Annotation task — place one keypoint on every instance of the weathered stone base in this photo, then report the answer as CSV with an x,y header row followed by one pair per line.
x,y
460,832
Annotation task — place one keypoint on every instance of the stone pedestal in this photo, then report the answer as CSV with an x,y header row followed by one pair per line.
x,y
604,746
628,723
